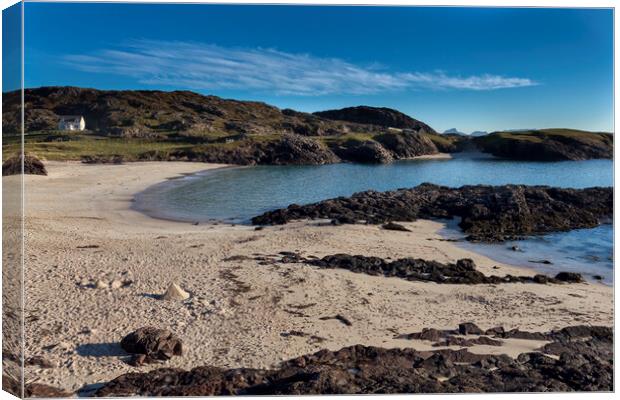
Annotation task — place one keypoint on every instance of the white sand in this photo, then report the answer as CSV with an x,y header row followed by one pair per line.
x,y
438,156
239,309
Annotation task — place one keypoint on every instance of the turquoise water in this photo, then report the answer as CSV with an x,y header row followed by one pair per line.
x,y
237,194
587,251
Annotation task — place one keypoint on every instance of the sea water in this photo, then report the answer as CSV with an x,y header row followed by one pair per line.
x,y
237,194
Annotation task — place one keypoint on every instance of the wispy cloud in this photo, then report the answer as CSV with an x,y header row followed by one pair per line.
x,y
211,67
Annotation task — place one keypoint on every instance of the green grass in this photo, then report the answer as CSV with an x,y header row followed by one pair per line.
x,y
63,146
538,136
84,145
441,140
348,138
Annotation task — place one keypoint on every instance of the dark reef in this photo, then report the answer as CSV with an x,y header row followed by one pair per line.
x,y
487,213
583,361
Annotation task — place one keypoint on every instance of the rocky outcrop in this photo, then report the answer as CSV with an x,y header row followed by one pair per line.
x,y
369,152
287,149
488,213
415,269
32,166
380,116
547,145
407,144
580,362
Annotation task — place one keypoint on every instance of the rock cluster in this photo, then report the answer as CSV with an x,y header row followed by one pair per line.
x,y
288,149
415,269
487,213
583,361
32,166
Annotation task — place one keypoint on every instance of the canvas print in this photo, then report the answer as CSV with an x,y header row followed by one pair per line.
x,y
206,200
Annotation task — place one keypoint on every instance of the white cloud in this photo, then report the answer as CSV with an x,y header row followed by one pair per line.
x,y
211,67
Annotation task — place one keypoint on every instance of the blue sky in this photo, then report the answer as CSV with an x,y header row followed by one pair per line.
x,y
469,68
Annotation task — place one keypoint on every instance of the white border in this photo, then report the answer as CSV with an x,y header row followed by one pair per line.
x,y
471,3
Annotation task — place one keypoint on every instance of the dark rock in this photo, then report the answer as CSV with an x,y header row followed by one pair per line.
x,y
581,365
459,341
32,390
156,344
518,334
415,269
340,318
541,262
32,166
469,328
368,152
488,213
597,277
39,361
571,277
498,330
392,226
430,334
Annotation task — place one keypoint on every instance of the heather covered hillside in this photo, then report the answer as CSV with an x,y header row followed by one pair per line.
x,y
137,125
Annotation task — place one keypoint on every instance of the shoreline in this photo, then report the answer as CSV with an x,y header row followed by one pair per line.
x,y
449,230
80,227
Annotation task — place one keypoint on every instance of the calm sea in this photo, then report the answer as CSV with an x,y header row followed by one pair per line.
x,y
237,194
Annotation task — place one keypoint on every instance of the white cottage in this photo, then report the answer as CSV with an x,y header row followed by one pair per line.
x,y
71,123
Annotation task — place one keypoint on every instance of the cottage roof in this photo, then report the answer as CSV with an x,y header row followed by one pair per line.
x,y
67,118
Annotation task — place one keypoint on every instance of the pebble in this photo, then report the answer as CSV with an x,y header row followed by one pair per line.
x,y
116,284
101,284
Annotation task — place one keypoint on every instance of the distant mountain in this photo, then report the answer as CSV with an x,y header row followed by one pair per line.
x,y
453,131
478,133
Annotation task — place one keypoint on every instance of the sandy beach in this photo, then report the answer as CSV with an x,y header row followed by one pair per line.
x,y
80,228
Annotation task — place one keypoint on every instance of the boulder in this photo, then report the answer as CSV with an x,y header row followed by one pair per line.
x,y
469,328
155,344
392,226
571,277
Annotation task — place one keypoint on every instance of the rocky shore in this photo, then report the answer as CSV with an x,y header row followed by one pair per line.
x,y
487,213
414,269
577,358
547,145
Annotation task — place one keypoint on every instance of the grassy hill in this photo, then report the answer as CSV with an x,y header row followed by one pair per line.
x,y
136,125
548,144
